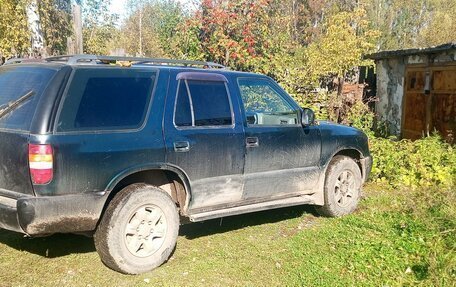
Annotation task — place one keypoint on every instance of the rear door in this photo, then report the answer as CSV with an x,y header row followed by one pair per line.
x,y
282,157
204,138
21,88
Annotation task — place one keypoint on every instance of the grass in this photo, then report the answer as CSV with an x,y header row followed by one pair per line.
x,y
396,238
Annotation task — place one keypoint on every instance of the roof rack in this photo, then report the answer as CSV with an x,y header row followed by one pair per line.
x,y
94,59
21,60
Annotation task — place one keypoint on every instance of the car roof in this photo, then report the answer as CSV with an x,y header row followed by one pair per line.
x,y
109,61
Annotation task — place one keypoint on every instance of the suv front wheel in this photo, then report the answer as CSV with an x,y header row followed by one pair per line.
x,y
138,231
342,187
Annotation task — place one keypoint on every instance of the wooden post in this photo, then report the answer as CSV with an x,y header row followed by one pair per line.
x,y
77,28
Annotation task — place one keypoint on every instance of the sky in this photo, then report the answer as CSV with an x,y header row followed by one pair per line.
x,y
118,7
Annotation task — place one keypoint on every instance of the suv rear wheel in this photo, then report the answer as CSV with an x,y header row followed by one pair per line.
x,y
342,187
139,229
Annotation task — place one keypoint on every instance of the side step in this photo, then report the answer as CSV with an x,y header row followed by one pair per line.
x,y
291,201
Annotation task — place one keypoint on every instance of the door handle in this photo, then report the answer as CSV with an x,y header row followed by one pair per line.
x,y
183,146
252,142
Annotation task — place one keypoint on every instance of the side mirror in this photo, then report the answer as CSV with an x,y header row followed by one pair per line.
x,y
307,117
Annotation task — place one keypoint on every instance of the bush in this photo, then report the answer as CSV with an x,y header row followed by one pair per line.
x,y
425,162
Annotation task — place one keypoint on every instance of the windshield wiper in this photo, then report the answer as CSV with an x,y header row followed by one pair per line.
x,y
11,106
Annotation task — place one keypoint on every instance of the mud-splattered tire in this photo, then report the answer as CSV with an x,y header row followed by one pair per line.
x,y
342,188
138,230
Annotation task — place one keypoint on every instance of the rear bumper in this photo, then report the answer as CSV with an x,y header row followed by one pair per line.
x,y
366,167
50,214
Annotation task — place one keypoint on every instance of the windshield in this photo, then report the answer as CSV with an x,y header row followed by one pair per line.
x,y
20,90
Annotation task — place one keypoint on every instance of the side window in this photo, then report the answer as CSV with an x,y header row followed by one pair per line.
x,y
106,99
264,105
183,112
202,103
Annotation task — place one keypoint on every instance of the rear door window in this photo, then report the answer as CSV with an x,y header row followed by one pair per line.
x,y
20,90
106,99
202,103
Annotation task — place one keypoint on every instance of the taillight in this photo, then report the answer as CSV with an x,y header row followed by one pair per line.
x,y
41,163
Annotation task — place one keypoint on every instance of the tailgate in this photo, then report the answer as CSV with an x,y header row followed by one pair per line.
x,y
14,169
21,88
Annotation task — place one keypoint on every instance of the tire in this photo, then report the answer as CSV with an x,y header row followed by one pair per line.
x,y
342,188
138,231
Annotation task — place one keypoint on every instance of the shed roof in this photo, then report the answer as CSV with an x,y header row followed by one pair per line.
x,y
415,51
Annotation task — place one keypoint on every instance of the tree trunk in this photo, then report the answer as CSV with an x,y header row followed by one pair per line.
x,y
77,28
140,30
36,34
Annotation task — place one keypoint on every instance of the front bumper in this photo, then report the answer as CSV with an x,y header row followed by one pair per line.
x,y
50,214
366,167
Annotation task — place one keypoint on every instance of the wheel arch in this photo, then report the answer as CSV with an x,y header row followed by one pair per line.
x,y
168,177
351,152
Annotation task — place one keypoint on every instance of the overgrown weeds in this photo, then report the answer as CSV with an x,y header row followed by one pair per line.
x,y
421,163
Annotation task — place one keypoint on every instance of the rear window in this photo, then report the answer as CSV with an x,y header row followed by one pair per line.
x,y
106,99
15,83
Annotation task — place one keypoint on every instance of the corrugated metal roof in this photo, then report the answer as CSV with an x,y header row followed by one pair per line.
x,y
414,51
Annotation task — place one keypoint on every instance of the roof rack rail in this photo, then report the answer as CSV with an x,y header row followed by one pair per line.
x,y
94,59
21,60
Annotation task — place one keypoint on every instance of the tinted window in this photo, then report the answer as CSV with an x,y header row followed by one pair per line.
x,y
183,115
264,104
106,99
15,82
208,104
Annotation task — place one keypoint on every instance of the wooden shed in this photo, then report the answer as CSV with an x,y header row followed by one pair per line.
x,y
416,91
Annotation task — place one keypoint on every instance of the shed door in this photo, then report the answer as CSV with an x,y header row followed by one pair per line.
x,y
415,104
443,108
433,111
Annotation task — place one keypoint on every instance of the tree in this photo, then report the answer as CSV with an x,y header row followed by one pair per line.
x,y
186,43
233,33
150,27
14,31
411,23
99,28
442,24
346,38
55,20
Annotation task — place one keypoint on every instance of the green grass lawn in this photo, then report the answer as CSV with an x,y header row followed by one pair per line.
x,y
396,238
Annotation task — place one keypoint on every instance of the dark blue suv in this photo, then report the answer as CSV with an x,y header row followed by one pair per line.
x,y
130,148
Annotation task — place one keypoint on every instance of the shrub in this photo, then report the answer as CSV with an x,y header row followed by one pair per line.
x,y
424,162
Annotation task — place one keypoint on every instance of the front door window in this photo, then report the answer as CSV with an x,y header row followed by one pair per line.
x,y
264,105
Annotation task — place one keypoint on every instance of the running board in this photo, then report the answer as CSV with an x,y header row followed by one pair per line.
x,y
291,201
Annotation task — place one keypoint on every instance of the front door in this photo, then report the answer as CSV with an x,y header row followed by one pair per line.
x,y
282,157
203,138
